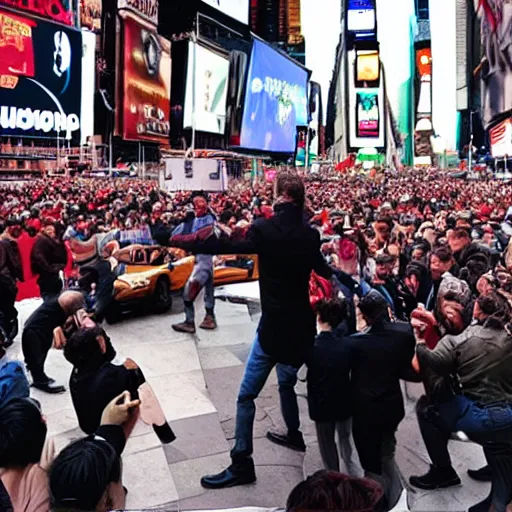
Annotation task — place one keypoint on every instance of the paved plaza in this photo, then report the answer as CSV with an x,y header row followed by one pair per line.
x,y
196,378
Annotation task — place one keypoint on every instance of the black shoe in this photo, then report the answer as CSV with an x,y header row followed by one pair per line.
x,y
436,478
481,475
230,477
49,387
293,441
483,506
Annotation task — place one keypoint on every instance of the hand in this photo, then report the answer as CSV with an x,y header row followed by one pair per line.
x,y
118,411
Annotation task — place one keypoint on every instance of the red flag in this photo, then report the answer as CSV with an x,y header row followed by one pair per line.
x,y
489,14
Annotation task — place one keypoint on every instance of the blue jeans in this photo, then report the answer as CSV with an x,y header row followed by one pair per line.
x,y
202,277
258,368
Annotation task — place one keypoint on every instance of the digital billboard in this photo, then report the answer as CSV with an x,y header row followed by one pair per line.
x,y
145,102
88,85
237,9
368,119
367,67
90,14
40,78
361,16
500,137
275,101
56,10
209,71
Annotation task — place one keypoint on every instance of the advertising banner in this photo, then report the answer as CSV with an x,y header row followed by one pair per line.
x,y
361,17
146,76
496,75
275,101
90,14
199,174
501,139
88,85
56,10
209,72
147,9
40,78
368,119
237,9
367,68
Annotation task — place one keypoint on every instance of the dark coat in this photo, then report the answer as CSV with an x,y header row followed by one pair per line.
x,y
380,358
47,259
329,365
10,260
288,250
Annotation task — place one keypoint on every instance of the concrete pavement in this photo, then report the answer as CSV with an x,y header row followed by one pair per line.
x,y
196,379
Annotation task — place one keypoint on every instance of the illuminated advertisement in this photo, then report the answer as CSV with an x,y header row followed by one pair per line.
x,y
367,68
209,72
367,115
275,101
500,137
146,83
366,112
88,85
56,10
147,9
40,78
361,17
237,9
90,14
496,74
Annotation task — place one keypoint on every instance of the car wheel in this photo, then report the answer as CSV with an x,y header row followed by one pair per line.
x,y
162,300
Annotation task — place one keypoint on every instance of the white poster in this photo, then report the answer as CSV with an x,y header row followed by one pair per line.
x,y
210,75
238,9
88,85
205,174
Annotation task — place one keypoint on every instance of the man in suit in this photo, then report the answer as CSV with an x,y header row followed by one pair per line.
x,y
288,250
381,356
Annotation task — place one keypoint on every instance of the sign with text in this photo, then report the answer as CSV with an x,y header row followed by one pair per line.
x,y
148,9
56,10
40,78
500,137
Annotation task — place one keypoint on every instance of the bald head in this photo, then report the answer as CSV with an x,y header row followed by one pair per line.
x,y
71,302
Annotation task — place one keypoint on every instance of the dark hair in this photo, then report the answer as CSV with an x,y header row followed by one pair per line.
x,y
417,269
332,491
83,351
331,311
497,309
443,252
374,307
291,184
81,473
22,433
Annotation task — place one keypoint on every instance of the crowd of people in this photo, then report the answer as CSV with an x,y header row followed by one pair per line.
x,y
365,281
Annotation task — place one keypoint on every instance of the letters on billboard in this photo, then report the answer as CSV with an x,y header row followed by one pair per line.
x,y
40,78
55,10
496,76
146,82
275,101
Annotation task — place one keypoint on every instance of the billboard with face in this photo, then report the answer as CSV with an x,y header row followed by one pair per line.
x,y
145,95
40,78
275,101
496,75
55,10
209,71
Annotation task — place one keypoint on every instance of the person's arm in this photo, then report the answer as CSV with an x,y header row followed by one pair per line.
x,y
213,245
441,360
320,266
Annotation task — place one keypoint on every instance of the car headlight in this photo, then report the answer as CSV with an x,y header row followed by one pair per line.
x,y
141,283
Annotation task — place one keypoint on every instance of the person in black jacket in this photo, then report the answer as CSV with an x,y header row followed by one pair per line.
x,y
288,251
381,356
329,398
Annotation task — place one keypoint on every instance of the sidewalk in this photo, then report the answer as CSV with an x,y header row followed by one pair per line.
x,y
196,379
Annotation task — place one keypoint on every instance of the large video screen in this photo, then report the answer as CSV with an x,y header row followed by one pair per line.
x,y
40,78
368,122
367,67
361,16
237,9
210,74
146,91
275,101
